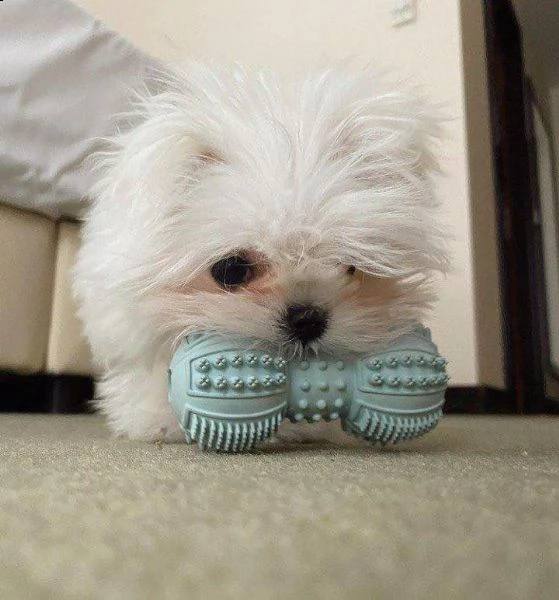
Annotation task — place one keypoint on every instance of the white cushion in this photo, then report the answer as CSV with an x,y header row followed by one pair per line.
x,y
68,352
27,251
63,77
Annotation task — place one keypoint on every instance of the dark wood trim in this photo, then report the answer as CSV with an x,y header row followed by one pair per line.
x,y
44,393
479,400
515,197
72,394
488,400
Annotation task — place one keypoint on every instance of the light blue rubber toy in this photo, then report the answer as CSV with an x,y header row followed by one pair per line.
x,y
227,397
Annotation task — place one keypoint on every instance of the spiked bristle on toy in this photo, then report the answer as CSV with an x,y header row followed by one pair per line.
x,y
228,397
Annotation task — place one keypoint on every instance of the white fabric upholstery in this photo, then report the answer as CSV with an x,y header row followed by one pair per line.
x,y
63,77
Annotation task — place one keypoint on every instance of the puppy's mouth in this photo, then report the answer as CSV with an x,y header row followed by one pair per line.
x,y
303,325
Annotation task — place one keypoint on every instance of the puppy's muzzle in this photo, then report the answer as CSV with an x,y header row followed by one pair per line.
x,y
305,323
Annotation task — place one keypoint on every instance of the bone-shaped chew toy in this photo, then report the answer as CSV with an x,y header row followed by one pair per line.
x,y
228,396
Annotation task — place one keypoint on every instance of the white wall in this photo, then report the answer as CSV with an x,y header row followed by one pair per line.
x,y
549,218
539,21
294,36
553,385
554,122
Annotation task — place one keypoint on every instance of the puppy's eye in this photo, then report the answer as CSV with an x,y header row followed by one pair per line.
x,y
351,270
232,271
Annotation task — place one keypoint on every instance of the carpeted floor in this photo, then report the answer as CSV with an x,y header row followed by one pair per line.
x,y
470,511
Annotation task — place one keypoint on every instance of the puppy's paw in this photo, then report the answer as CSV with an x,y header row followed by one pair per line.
x,y
135,404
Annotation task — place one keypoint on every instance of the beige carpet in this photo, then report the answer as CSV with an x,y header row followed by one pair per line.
x,y
471,511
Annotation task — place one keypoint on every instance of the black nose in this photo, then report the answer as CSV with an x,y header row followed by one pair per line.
x,y
305,323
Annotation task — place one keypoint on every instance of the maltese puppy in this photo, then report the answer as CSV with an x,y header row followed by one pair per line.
x,y
304,217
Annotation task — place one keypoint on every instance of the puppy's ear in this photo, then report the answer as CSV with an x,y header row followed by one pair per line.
x,y
164,143
371,147
210,157
364,121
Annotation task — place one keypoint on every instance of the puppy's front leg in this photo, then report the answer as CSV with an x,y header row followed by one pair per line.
x,y
134,399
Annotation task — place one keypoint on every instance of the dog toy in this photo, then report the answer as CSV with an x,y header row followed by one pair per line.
x,y
227,396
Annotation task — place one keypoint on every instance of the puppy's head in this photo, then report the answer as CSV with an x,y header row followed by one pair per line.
x,y
303,218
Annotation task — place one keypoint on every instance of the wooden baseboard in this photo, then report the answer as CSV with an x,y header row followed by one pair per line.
x,y
487,400
43,393
59,394
478,400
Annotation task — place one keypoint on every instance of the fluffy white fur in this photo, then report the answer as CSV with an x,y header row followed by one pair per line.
x,y
334,172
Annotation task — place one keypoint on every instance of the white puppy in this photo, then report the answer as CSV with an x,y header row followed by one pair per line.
x,y
303,218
